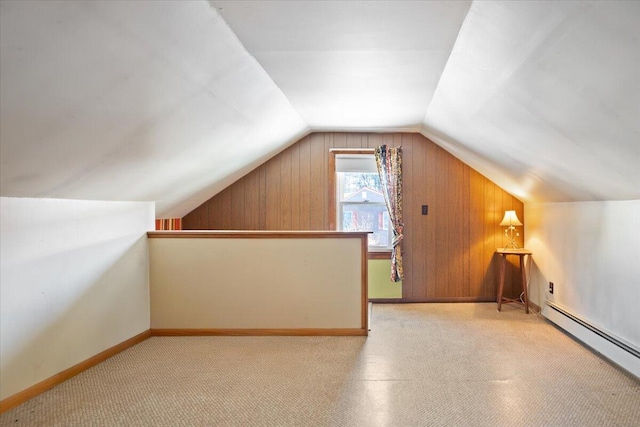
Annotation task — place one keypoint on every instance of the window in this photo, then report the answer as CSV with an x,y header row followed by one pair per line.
x,y
360,203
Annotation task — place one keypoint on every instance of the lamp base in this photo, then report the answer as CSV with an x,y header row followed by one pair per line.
x,y
508,233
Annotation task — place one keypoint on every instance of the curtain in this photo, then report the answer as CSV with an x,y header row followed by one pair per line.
x,y
389,163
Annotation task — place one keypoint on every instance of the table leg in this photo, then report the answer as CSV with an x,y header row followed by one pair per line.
x,y
524,285
501,284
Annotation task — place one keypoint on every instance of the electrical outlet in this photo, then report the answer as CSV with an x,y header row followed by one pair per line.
x,y
425,209
550,287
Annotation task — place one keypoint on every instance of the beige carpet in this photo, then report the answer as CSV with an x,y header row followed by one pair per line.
x,y
422,365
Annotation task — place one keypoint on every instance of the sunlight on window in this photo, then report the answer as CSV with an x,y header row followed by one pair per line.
x,y
362,207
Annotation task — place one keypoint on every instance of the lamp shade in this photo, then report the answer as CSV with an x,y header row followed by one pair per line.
x,y
510,218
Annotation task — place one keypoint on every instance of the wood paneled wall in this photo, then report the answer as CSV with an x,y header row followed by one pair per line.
x,y
448,254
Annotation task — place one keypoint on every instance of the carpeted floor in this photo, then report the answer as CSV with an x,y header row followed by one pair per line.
x,y
422,365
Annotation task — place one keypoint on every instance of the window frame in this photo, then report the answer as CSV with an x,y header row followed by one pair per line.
x,y
378,252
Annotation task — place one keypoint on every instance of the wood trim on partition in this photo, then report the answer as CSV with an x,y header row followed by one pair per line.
x,y
364,277
258,332
365,285
331,176
379,255
39,388
239,234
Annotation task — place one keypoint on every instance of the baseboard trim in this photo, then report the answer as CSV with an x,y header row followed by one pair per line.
x,y
623,354
258,332
533,306
429,300
613,340
36,389
385,300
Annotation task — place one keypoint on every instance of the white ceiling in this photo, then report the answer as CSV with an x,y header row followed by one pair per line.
x,y
133,100
351,64
172,101
544,98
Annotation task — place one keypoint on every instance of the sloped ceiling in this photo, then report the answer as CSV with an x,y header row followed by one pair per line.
x,y
132,100
351,65
172,101
544,98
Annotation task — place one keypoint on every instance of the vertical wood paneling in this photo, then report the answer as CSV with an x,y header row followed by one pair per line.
x,y
340,139
407,209
458,251
453,225
465,240
419,222
430,174
273,194
449,254
373,140
328,145
226,211
237,205
387,139
353,140
476,233
285,190
490,260
442,238
201,216
262,194
318,190
295,187
251,202
215,214
397,139
305,183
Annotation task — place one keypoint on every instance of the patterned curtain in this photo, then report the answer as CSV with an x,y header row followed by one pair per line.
x,y
389,162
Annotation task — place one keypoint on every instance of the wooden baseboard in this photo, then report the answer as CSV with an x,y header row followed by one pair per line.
x,y
534,307
258,332
429,300
36,389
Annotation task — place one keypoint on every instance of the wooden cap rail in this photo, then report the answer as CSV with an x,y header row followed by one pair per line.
x,y
252,234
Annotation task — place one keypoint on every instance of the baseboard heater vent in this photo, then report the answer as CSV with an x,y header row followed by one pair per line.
x,y
613,340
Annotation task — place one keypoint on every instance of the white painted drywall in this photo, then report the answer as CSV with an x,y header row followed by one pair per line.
x,y
256,283
172,101
591,252
73,282
132,100
543,98
351,64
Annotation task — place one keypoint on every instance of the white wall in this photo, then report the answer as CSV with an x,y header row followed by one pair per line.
x,y
591,251
73,282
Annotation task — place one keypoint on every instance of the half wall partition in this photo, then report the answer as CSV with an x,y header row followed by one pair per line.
x,y
258,283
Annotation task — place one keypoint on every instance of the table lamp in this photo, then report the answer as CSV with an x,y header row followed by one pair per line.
x,y
510,220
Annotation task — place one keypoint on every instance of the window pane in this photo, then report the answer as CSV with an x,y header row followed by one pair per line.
x,y
361,206
367,217
357,183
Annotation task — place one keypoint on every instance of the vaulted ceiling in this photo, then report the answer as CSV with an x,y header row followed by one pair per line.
x,y
172,101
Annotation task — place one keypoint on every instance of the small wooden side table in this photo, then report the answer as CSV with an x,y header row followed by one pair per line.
x,y
520,253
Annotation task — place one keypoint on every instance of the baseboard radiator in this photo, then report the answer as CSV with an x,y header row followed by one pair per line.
x,y
594,329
